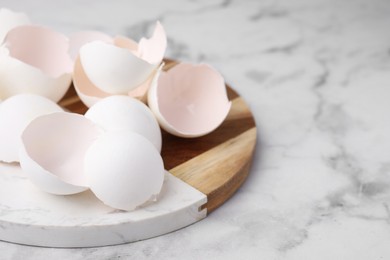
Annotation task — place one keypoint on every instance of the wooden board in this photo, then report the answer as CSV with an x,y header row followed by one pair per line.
x,y
216,164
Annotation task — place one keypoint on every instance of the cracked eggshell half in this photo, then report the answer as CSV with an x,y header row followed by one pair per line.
x,y
16,113
113,69
124,170
123,113
53,151
42,67
123,66
189,100
90,94
10,20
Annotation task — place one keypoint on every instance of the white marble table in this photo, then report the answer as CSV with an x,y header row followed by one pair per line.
x,y
317,77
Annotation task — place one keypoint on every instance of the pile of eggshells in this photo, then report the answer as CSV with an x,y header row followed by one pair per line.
x,y
114,149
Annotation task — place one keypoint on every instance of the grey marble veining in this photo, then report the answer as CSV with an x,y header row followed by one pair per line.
x,y
316,75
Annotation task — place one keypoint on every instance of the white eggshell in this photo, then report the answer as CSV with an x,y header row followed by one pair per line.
x,y
152,50
78,39
10,20
15,114
113,69
189,100
123,113
90,94
53,151
124,170
41,67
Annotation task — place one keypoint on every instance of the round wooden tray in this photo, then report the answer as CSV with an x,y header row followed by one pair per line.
x,y
202,173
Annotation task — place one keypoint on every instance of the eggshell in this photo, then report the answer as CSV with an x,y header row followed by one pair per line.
x,y
78,39
53,151
35,67
113,69
46,49
124,170
90,94
10,20
189,100
123,113
15,114
152,50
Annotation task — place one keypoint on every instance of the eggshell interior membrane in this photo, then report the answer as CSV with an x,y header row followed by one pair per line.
x,y
190,100
152,50
58,143
86,90
33,80
9,20
90,94
124,170
123,113
40,47
113,69
15,114
78,39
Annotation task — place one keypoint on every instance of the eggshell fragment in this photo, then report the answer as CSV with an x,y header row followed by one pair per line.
x,y
112,69
10,20
123,113
189,100
152,50
42,66
124,170
15,114
53,151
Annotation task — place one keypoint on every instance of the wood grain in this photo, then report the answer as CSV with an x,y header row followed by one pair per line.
x,y
216,164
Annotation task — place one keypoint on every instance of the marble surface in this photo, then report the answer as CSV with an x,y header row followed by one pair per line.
x,y
316,75
32,217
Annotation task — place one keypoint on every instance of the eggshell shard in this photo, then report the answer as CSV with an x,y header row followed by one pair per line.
x,y
78,39
124,170
152,50
10,20
46,70
123,113
15,114
54,147
112,69
189,100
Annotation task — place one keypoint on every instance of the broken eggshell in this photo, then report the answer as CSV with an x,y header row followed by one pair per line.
x,y
122,67
53,151
90,94
42,67
189,100
123,113
15,114
10,20
124,170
